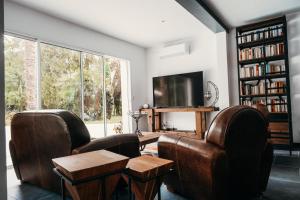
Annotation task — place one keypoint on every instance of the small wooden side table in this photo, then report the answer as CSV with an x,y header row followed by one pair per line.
x,y
92,175
144,176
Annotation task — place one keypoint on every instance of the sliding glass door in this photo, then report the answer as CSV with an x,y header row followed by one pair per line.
x,y
20,80
44,76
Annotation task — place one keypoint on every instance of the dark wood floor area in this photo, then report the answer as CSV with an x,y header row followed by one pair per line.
x,y
284,183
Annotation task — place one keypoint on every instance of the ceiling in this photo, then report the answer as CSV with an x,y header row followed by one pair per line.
x,y
241,12
143,22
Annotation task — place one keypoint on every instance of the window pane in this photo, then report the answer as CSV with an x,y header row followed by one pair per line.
x,y
60,78
20,76
112,72
93,93
20,81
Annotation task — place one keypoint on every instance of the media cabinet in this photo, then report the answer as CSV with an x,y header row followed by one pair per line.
x,y
154,118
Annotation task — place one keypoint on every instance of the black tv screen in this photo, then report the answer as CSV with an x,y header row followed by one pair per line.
x,y
179,90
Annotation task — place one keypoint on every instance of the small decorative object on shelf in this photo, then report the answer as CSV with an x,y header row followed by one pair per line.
x,y
146,106
137,115
263,74
208,94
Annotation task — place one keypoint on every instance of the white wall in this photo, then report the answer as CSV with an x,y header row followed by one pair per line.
x,y
293,33
26,21
208,54
232,69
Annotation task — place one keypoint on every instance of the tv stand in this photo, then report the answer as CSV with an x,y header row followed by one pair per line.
x,y
154,117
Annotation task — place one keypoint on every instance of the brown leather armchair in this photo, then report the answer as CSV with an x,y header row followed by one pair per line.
x,y
234,161
39,136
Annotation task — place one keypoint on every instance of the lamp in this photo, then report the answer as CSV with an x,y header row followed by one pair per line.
x,y
208,93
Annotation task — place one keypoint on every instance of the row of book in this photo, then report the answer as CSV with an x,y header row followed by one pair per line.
x,y
259,52
252,71
273,105
253,102
251,53
274,49
260,70
274,68
277,105
249,89
260,34
276,87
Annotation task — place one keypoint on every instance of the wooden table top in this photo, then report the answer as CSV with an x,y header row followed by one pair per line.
x,y
149,137
146,167
87,165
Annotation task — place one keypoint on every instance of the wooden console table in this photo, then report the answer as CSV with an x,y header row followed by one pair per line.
x,y
154,117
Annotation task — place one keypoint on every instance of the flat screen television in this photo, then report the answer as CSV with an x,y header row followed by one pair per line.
x,y
179,90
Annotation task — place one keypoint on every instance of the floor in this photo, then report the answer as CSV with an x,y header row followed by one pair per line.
x,y
284,183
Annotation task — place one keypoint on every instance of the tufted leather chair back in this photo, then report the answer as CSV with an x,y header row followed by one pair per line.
x,y
38,136
264,110
242,132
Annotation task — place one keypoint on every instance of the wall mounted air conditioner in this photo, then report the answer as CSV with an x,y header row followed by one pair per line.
x,y
175,50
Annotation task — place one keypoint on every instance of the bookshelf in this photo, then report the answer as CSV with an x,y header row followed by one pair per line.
x,y
263,74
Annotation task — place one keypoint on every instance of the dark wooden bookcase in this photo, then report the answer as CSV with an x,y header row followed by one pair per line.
x,y
263,74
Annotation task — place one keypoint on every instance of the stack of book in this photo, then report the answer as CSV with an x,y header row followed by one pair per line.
x,y
260,34
249,89
276,87
277,105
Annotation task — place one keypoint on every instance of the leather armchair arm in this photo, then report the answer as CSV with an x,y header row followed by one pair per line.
x,y
124,144
14,160
201,169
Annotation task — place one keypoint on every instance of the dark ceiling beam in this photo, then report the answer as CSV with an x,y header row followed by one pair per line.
x,y
204,14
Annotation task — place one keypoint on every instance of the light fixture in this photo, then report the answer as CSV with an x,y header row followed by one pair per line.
x,y
208,93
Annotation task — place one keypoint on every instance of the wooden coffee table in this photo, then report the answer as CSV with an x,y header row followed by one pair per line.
x,y
92,175
144,176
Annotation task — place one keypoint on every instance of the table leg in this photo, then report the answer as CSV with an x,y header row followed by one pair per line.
x,y
117,194
62,185
158,192
103,188
142,147
129,188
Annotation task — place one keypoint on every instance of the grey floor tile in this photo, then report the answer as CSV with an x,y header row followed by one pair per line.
x,y
284,183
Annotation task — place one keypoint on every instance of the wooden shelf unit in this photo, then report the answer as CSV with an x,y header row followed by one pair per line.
x,y
254,40
154,118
